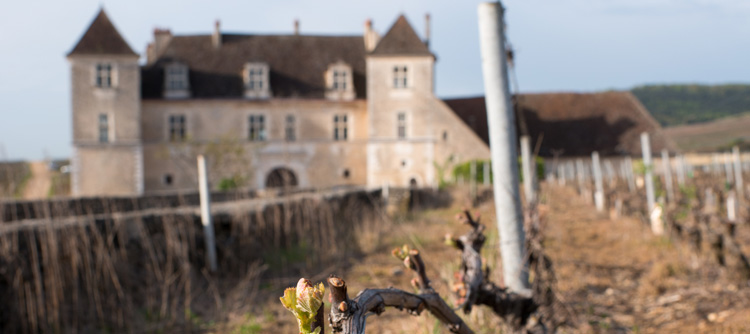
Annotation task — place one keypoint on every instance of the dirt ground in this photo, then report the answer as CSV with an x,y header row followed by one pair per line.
x,y
622,279
41,179
614,275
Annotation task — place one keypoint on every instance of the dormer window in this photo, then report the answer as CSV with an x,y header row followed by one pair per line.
x,y
176,83
339,82
255,76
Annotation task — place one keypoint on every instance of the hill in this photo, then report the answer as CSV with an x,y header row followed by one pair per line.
x,y
720,134
689,104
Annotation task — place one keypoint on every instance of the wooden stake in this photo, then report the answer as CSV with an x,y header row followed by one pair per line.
x,y
473,181
486,173
208,226
739,185
649,175
728,168
580,175
667,166
681,170
599,194
628,166
528,172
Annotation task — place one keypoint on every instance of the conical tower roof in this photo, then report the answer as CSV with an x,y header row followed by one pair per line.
x,y
102,38
401,40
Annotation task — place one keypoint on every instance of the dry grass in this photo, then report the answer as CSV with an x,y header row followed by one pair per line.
x,y
148,274
425,231
113,276
13,177
710,136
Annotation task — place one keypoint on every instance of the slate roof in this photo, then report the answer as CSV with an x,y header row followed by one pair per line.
x,y
297,64
102,38
401,40
574,124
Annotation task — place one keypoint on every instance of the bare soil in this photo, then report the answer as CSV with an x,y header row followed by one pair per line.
x,y
39,183
622,279
614,274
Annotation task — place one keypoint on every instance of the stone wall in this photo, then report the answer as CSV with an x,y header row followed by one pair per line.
x,y
219,129
106,170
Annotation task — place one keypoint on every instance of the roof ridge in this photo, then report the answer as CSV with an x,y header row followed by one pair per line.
x,y
267,35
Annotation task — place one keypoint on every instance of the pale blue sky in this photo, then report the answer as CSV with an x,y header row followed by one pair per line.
x,y
561,45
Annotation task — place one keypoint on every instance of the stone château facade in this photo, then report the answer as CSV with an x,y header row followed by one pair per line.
x,y
267,110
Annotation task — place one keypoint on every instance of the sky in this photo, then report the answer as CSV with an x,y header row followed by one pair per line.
x,y
561,45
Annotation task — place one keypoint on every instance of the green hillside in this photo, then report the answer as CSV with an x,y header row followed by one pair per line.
x,y
688,104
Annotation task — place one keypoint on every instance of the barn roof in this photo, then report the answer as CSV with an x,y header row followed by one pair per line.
x,y
574,124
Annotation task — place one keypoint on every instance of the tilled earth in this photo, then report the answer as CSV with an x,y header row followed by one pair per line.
x,y
613,273
622,279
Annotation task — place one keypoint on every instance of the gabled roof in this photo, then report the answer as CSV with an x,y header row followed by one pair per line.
x,y
401,40
102,38
297,64
574,124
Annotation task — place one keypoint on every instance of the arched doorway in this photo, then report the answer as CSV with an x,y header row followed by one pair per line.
x,y
413,183
281,178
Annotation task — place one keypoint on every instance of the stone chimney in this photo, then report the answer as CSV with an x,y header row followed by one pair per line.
x,y
296,27
162,37
371,37
427,29
216,37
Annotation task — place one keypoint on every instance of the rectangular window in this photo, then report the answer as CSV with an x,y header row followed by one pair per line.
x,y
400,77
177,77
339,127
401,125
104,75
177,128
255,79
103,128
256,128
289,134
339,80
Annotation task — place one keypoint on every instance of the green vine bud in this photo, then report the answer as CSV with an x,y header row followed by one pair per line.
x,y
304,302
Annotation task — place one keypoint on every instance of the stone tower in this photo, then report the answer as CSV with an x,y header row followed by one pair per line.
x,y
105,84
400,99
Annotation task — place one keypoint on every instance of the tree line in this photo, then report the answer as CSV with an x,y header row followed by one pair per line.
x,y
692,103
